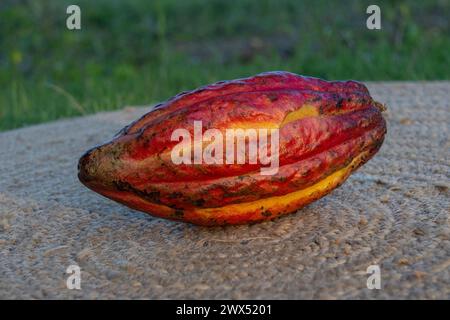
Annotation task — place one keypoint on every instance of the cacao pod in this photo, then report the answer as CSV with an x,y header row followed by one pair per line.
x,y
325,131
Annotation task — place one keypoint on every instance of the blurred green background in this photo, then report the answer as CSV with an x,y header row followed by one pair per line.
x,y
140,52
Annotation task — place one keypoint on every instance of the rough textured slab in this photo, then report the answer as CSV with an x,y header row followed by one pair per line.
x,y
393,212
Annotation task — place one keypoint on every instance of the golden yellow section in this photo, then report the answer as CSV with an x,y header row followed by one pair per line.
x,y
305,111
321,187
252,125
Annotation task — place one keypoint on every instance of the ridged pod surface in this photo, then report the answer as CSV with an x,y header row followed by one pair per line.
x,y
327,129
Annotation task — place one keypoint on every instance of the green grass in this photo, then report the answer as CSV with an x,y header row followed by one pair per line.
x,y
140,52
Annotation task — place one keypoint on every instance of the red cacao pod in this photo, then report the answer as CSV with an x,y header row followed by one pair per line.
x,y
325,131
